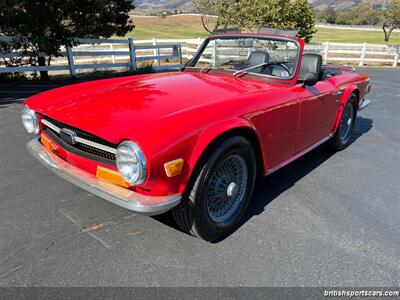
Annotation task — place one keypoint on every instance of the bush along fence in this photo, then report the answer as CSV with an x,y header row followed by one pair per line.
x,y
164,54
99,54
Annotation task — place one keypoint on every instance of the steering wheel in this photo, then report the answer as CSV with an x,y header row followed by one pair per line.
x,y
281,64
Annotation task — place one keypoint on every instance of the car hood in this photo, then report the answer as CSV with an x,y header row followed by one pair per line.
x,y
113,108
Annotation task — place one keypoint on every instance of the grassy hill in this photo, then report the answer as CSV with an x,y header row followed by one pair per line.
x,y
343,4
154,6
186,26
165,5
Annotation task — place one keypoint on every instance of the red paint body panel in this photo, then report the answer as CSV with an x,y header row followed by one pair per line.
x,y
177,115
131,103
318,109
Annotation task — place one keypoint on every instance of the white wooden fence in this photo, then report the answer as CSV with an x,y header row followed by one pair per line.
x,y
360,54
121,53
101,54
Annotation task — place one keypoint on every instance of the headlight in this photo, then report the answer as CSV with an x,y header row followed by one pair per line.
x,y
30,120
131,162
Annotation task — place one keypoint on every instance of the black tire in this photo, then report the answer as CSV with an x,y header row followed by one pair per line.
x,y
342,136
196,214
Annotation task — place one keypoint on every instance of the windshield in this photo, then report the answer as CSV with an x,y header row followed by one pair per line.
x,y
256,55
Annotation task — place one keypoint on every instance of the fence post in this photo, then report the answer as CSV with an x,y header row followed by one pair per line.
x,y
158,54
155,50
362,57
180,55
396,56
112,50
71,63
132,54
326,51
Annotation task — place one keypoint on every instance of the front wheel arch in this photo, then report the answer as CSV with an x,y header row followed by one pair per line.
x,y
191,214
242,131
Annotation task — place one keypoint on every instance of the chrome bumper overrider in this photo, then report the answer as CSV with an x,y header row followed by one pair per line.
x,y
143,204
364,104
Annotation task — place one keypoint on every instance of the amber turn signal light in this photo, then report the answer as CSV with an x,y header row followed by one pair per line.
x,y
47,143
173,168
112,176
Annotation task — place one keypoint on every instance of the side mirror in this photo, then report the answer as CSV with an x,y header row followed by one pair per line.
x,y
310,79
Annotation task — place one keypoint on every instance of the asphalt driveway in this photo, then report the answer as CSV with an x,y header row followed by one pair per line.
x,y
324,220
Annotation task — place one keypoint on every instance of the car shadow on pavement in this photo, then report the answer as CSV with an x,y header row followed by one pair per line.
x,y
270,187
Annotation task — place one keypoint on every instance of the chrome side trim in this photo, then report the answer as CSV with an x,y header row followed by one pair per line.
x,y
296,156
81,140
338,93
143,204
364,104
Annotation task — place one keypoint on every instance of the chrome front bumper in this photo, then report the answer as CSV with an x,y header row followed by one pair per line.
x,y
143,204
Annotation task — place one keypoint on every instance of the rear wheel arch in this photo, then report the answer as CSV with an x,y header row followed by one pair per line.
x,y
357,93
341,139
353,89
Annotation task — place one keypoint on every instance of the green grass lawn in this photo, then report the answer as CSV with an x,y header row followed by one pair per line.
x,y
190,27
354,36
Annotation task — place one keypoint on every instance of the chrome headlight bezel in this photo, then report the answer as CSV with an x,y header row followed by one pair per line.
x,y
131,162
29,115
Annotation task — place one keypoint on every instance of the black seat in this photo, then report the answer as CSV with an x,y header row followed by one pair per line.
x,y
257,58
311,63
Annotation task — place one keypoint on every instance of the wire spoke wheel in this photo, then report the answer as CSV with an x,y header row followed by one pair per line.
x,y
346,122
227,188
220,190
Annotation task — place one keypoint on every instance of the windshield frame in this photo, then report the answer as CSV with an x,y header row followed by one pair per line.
x,y
192,62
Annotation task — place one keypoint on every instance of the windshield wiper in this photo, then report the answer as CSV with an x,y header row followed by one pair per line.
x,y
244,71
206,68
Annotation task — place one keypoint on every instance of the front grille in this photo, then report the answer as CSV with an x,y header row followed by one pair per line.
x,y
82,134
80,148
95,151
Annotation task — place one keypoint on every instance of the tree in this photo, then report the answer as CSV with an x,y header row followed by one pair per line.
x,y
367,15
330,15
254,14
303,18
225,10
361,14
50,24
282,14
392,19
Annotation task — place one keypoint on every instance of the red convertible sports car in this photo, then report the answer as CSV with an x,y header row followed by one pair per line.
x,y
195,141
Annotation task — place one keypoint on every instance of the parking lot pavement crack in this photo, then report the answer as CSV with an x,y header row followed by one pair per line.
x,y
93,227
74,219
90,229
